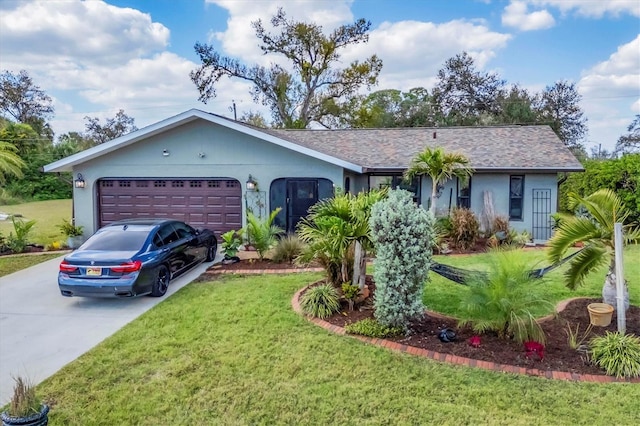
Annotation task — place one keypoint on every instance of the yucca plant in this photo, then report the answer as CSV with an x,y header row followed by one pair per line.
x,y
263,233
618,354
503,301
596,230
320,301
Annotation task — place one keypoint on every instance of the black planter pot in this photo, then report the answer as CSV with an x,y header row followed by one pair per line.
x,y
37,419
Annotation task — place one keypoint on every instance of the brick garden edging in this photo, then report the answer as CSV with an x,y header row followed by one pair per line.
x,y
458,360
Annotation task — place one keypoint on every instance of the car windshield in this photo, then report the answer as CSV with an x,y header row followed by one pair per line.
x,y
116,240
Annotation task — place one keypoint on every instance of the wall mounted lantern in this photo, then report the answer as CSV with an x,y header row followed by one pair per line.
x,y
252,185
79,182
165,152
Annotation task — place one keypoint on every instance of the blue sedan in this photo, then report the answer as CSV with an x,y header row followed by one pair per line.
x,y
134,257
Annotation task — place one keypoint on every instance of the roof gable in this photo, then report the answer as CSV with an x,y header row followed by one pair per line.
x,y
67,163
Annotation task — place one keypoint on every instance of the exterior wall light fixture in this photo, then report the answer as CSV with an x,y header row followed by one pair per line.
x,y
251,184
79,182
165,152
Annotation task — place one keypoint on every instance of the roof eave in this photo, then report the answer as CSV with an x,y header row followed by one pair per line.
x,y
67,164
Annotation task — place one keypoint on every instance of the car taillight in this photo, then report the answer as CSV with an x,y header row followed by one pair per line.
x,y
66,267
127,267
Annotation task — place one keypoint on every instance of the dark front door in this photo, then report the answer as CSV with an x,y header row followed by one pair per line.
x,y
301,195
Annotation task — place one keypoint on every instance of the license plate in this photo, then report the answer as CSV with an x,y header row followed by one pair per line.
x,y
94,271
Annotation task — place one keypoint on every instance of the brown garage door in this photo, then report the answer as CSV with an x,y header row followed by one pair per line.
x,y
213,203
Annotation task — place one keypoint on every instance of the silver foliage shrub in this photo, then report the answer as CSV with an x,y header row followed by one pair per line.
x,y
402,233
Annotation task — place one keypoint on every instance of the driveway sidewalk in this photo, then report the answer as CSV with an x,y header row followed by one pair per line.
x,y
41,331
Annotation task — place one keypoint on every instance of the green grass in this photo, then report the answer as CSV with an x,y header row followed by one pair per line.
x,y
442,295
232,351
47,214
11,264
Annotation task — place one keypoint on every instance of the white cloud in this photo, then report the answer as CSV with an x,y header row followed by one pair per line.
x,y
611,93
516,15
593,8
89,33
414,51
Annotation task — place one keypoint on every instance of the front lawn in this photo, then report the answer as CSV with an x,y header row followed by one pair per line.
x,y
47,214
14,263
232,351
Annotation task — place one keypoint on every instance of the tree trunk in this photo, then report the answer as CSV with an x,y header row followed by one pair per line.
x,y
359,266
434,196
609,294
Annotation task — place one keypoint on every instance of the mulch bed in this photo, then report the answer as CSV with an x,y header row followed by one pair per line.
x,y
558,355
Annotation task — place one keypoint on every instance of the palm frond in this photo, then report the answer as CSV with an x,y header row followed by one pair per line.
x,y
590,258
571,231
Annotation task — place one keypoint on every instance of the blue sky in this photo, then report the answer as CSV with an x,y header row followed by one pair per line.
x,y
94,57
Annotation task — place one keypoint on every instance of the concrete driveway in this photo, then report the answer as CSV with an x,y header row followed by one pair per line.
x,y
41,331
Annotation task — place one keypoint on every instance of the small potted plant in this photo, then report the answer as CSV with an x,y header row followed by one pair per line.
x,y
73,233
25,408
231,242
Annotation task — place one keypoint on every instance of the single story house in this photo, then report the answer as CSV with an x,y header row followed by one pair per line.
x,y
209,171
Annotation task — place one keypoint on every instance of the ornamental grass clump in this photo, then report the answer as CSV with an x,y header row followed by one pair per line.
x,y
24,401
288,249
320,301
618,354
402,233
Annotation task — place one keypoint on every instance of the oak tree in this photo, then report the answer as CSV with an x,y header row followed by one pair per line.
x,y
313,89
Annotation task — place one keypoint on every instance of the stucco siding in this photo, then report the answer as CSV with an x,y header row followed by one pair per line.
x,y
197,150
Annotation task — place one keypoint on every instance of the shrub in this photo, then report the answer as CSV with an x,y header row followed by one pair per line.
x,y
332,230
288,249
371,328
618,354
320,301
263,233
465,228
69,229
502,300
350,292
500,224
402,233
231,242
18,242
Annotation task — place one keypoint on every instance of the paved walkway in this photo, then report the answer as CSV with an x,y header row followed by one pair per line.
x,y
41,331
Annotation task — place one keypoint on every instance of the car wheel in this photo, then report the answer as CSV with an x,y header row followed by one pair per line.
x,y
161,283
212,249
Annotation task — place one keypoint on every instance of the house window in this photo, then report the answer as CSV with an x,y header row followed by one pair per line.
x,y
464,193
516,191
396,181
347,184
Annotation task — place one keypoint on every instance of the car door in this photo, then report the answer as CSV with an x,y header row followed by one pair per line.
x,y
195,249
173,249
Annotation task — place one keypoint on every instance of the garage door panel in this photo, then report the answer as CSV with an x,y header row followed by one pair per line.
x,y
216,204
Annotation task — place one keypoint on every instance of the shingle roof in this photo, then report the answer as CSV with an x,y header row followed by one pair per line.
x,y
488,148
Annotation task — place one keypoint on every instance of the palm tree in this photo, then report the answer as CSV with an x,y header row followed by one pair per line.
x,y
440,166
596,230
10,162
338,236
